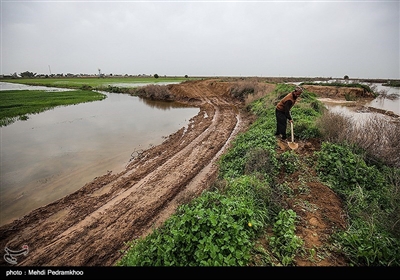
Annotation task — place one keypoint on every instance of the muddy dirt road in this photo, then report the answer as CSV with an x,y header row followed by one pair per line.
x,y
90,227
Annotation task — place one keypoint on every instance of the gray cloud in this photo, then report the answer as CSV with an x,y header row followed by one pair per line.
x,y
232,38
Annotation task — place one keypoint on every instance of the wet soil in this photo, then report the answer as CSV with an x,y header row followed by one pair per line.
x,y
91,226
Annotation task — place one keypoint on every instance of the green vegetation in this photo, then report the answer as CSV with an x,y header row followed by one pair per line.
x,y
212,230
284,243
372,198
17,104
243,218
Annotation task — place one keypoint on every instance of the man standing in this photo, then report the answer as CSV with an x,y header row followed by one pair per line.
x,y
282,111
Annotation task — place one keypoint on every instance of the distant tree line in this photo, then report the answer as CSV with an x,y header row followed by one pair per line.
x,y
28,74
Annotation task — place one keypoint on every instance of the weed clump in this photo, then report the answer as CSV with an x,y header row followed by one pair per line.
x,y
241,90
371,195
214,229
154,92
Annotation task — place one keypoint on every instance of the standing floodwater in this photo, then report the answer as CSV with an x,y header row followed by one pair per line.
x,y
56,152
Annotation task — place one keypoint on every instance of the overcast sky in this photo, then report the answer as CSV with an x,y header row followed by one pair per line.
x,y
202,38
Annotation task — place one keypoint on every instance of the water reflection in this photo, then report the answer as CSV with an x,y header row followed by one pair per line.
x,y
358,117
386,104
163,105
56,152
388,98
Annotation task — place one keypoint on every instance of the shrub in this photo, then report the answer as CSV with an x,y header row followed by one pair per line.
x,y
246,147
241,90
155,92
289,161
259,161
378,137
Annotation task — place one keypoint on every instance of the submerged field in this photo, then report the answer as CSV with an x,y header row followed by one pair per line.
x,y
93,82
17,104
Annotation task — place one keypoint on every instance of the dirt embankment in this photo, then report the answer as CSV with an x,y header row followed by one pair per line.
x,y
338,92
90,226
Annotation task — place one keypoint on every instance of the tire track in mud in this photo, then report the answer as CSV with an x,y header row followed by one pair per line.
x,y
90,227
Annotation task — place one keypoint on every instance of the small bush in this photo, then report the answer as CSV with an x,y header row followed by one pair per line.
x,y
241,90
86,87
155,92
259,161
289,161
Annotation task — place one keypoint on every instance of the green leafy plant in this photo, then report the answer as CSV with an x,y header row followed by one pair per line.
x,y
285,243
212,230
289,161
254,143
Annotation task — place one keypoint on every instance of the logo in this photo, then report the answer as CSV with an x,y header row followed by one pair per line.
x,y
11,254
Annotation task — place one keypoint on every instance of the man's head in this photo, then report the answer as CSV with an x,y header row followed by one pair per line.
x,y
298,90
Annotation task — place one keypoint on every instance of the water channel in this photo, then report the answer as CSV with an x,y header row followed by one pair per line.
x,y
56,152
388,98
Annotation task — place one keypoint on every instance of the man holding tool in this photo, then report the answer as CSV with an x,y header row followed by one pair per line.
x,y
282,111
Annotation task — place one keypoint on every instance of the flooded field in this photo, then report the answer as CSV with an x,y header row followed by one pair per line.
x,y
388,98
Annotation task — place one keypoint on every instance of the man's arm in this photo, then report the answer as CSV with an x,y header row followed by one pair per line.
x,y
288,105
